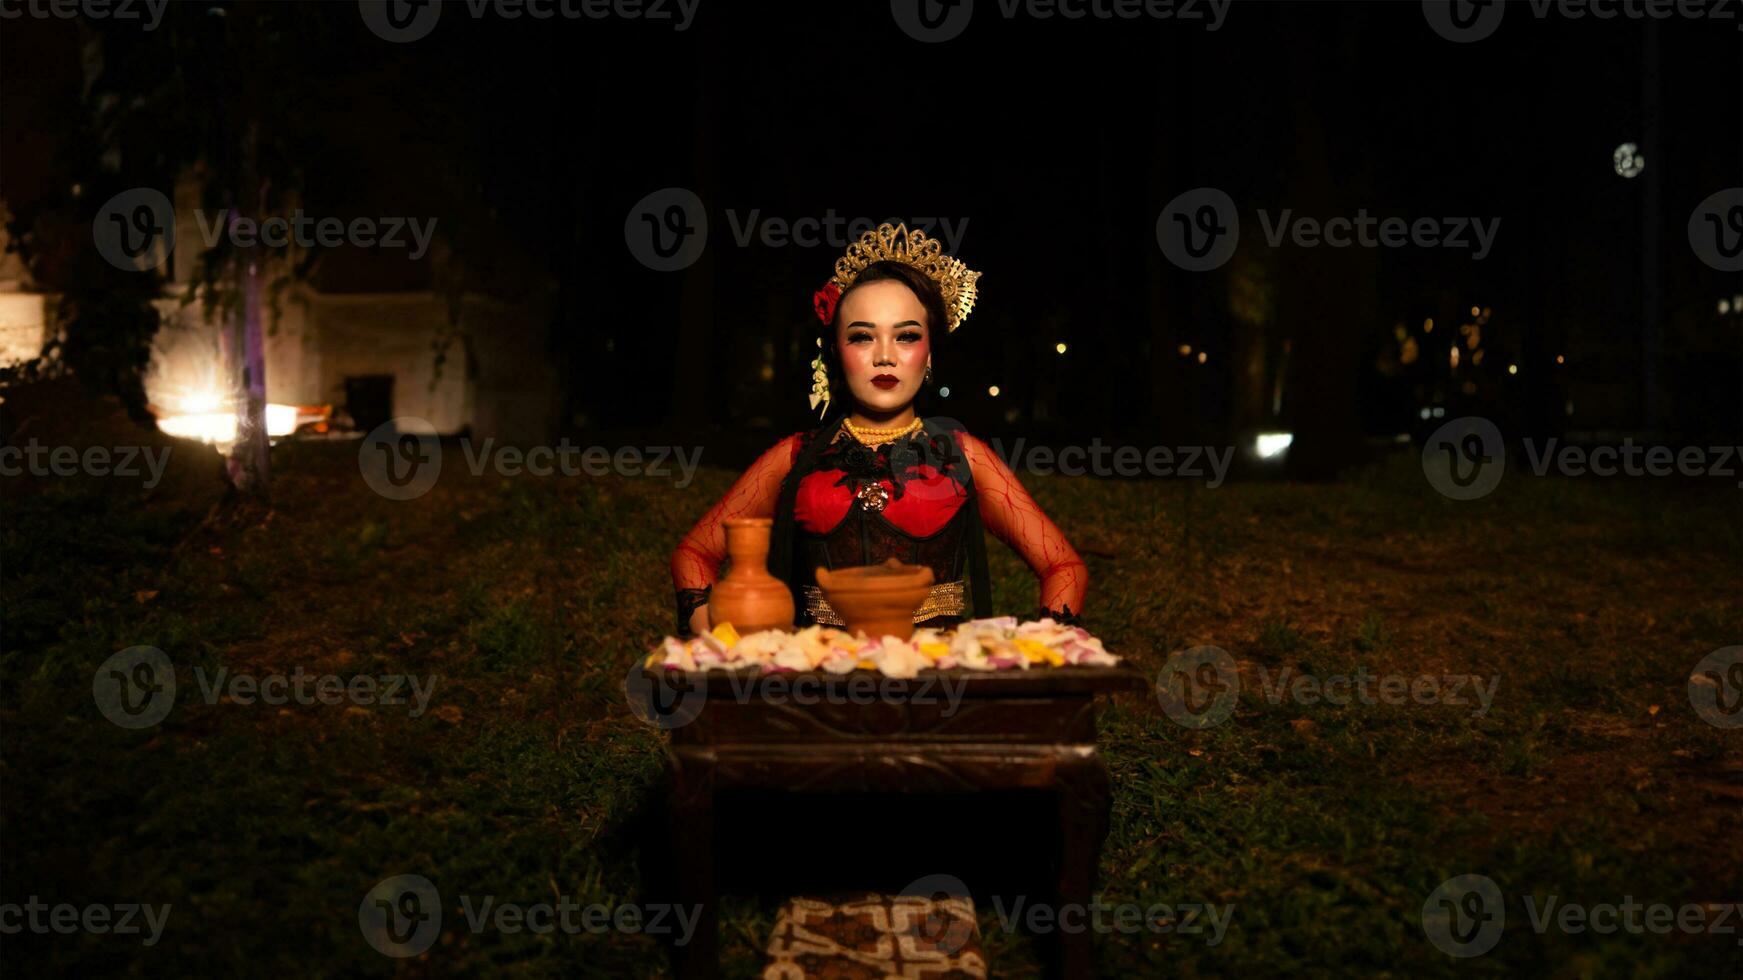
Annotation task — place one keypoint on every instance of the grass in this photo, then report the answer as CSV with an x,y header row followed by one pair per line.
x,y
1325,826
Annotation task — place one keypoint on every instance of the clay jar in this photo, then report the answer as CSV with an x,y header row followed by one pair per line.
x,y
877,600
749,597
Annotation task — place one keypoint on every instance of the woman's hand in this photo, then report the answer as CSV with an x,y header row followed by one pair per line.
x,y
699,620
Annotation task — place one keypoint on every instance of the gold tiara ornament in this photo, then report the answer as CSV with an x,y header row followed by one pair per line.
x,y
888,243
897,244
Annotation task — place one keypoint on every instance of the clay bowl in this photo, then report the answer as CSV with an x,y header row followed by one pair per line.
x,y
877,600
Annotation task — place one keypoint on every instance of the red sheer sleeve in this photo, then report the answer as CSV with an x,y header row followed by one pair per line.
x,y
696,563
1014,518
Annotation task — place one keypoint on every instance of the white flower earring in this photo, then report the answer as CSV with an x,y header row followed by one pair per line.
x,y
819,381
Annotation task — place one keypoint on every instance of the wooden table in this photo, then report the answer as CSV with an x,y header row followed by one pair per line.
x,y
986,730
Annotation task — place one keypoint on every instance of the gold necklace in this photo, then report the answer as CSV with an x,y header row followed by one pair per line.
x,y
877,437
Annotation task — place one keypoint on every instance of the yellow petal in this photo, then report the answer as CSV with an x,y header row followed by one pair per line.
x,y
726,634
933,651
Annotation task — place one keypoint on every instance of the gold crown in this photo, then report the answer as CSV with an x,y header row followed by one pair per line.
x,y
898,244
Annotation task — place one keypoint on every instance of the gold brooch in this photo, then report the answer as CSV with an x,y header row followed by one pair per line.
x,y
872,497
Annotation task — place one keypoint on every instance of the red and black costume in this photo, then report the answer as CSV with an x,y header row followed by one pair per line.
x,y
923,498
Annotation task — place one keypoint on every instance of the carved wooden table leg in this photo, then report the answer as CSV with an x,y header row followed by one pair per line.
x,y
1084,801
692,842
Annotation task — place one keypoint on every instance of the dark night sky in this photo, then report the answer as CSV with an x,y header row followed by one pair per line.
x,y
1058,143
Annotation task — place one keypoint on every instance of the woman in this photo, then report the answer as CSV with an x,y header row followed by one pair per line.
x,y
877,481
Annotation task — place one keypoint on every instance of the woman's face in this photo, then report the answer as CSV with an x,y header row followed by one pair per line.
x,y
885,342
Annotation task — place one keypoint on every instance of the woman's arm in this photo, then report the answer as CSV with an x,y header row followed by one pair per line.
x,y
696,562
1014,518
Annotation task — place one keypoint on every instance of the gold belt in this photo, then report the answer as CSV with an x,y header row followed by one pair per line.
x,y
944,599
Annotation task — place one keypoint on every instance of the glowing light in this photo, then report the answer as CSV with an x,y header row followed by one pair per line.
x,y
1185,350
1477,358
1560,359
205,419
944,392
1202,357
1269,444
1439,412
1425,413
993,391
1512,369
1628,160
1428,325
1724,307
1453,355
1476,311
1060,347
